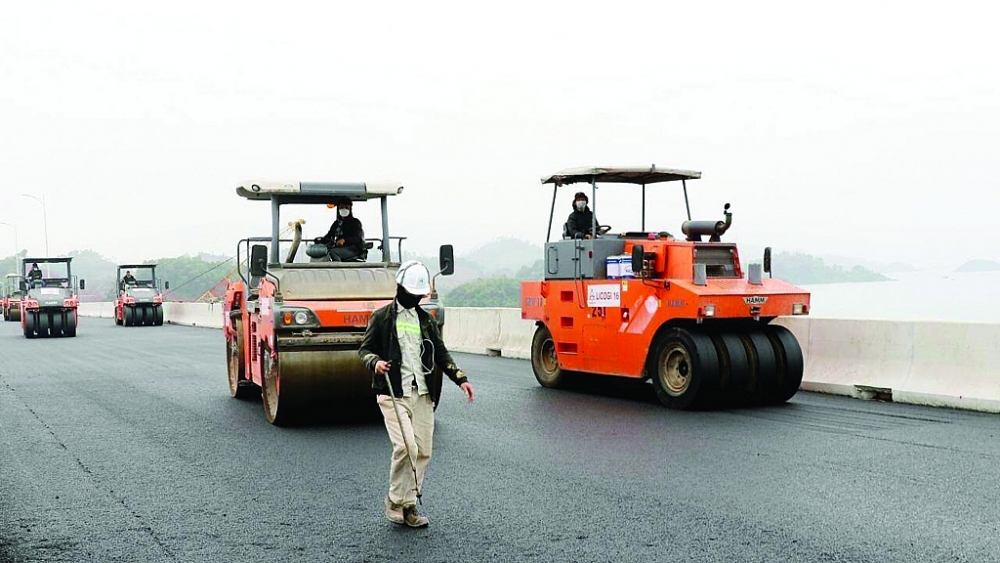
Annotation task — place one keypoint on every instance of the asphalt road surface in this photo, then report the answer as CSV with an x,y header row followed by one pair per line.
x,y
123,445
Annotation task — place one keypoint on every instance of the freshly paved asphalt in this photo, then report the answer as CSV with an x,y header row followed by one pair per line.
x,y
123,445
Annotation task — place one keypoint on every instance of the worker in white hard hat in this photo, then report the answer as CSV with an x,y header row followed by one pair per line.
x,y
403,349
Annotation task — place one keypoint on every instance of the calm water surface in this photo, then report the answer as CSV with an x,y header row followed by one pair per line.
x,y
913,296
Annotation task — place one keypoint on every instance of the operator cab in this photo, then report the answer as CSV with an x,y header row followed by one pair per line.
x,y
591,258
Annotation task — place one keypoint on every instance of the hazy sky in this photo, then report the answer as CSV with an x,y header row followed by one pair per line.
x,y
868,129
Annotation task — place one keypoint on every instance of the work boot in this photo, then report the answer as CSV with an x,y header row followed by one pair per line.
x,y
413,518
394,512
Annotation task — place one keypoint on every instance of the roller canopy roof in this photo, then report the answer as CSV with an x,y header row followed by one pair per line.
x,y
137,265
620,175
317,192
45,260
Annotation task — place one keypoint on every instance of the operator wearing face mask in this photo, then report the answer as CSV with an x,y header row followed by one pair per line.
x,y
404,350
581,221
346,239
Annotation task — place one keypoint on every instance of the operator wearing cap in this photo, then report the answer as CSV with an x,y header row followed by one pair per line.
x,y
35,275
403,341
581,221
346,238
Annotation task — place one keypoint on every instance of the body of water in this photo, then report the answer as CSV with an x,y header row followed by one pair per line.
x,y
912,296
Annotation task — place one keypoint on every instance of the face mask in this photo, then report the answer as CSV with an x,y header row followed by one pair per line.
x,y
344,212
581,205
406,299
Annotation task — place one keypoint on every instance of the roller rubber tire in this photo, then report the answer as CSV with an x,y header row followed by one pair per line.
x,y
147,316
734,368
72,319
129,316
43,324
56,329
681,363
790,363
29,326
544,361
763,364
158,315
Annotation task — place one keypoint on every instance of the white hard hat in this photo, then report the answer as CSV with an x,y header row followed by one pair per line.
x,y
414,277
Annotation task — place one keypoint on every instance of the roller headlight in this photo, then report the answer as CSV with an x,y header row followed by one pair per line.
x,y
295,317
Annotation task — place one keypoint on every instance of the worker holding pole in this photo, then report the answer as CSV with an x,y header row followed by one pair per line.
x,y
403,348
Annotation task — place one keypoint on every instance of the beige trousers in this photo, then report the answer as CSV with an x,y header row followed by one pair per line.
x,y
417,415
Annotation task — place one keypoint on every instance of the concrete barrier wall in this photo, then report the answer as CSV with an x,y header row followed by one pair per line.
x,y
105,310
492,331
189,314
207,315
928,363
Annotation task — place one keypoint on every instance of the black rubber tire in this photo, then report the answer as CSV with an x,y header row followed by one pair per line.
x,y
734,368
791,364
683,362
146,316
763,364
158,315
14,314
239,387
42,327
72,320
29,326
544,361
129,316
56,328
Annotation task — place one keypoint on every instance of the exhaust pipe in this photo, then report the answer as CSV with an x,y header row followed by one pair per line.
x,y
713,229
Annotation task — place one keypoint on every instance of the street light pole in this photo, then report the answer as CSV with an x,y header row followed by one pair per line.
x,y
45,219
16,247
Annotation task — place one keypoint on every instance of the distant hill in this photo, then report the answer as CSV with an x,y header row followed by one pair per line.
x,y
503,256
805,269
979,265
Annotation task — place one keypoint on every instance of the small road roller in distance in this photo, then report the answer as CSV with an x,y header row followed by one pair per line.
x,y
139,301
681,312
14,287
49,308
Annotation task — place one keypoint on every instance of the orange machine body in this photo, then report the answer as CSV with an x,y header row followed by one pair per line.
x,y
607,325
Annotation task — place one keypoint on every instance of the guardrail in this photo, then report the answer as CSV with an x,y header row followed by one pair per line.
x,y
926,363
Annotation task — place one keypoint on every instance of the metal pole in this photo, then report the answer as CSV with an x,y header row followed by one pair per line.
x,y
593,214
644,208
386,255
45,219
552,211
686,204
406,443
275,231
